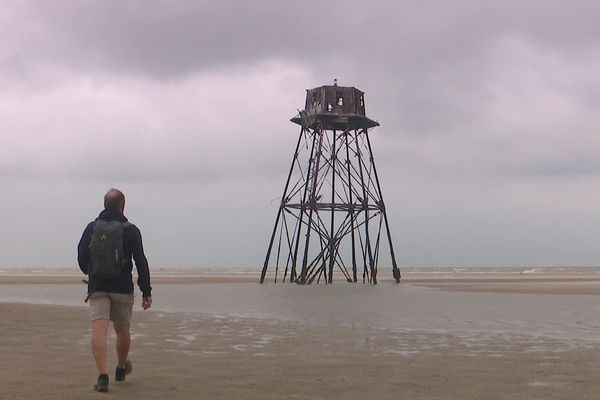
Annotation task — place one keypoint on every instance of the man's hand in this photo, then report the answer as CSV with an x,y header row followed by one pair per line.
x,y
146,302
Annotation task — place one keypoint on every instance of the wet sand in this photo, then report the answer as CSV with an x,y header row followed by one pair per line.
x,y
45,354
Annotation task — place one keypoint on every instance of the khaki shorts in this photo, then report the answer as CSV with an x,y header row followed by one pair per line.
x,y
114,306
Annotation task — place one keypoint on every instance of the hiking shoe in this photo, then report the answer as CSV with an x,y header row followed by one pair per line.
x,y
102,385
121,373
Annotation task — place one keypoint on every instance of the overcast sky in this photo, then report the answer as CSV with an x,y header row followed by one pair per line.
x,y
488,149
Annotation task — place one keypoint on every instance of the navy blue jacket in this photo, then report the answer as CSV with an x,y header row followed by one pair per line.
x,y
132,246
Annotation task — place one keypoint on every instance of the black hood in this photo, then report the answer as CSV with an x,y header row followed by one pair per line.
x,y
108,215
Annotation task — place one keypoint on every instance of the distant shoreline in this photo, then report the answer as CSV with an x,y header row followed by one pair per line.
x,y
548,280
24,279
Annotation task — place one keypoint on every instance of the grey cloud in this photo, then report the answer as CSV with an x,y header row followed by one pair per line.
x,y
479,103
554,169
166,39
428,61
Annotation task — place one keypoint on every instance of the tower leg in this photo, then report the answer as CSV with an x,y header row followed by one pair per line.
x,y
281,208
311,203
303,206
395,270
332,230
365,201
351,208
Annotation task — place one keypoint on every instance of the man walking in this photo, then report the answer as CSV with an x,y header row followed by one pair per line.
x,y
104,253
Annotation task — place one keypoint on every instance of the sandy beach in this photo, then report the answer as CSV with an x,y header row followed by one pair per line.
x,y
45,354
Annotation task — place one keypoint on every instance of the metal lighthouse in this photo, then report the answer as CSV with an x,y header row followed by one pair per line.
x,y
332,218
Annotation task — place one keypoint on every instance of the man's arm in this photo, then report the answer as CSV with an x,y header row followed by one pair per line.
x,y
141,263
83,248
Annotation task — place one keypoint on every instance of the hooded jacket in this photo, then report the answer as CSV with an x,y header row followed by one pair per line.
x,y
132,247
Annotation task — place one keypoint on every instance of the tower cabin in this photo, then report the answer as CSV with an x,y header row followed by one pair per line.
x,y
334,108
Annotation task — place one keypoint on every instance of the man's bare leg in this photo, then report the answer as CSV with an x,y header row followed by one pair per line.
x,y
123,343
99,330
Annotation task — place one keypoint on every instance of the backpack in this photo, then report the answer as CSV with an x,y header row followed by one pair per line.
x,y
106,249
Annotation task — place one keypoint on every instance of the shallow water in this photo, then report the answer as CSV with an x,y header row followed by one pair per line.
x,y
401,307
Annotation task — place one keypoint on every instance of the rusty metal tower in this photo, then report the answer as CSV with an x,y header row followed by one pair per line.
x,y
332,216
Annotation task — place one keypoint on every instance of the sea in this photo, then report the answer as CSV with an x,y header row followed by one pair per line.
x,y
401,307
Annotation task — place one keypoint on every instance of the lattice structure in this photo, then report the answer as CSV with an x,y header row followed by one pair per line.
x,y
332,217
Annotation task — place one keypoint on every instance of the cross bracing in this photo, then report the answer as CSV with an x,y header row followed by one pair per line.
x,y
332,218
